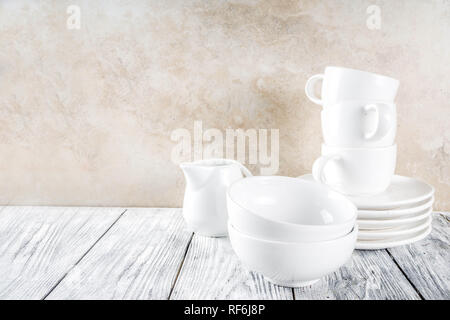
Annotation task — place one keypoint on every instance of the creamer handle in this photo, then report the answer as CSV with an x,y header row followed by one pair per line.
x,y
243,168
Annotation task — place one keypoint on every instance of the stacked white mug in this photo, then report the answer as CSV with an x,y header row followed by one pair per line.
x,y
359,122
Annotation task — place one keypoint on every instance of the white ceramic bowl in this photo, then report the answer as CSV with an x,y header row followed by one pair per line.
x,y
289,209
292,264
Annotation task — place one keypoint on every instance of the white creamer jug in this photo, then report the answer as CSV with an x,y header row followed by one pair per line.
x,y
204,205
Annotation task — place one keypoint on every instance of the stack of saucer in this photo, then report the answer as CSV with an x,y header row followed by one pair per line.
x,y
398,216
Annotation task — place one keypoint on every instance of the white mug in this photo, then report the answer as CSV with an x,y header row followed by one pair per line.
x,y
356,171
358,124
340,84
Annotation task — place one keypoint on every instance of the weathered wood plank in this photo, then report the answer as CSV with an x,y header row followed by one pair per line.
x,y
427,263
369,275
211,270
138,258
38,245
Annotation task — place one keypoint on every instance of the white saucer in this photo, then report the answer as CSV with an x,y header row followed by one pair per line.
x,y
402,191
394,232
405,210
396,222
383,244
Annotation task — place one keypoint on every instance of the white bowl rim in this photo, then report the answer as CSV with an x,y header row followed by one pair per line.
x,y
297,243
316,184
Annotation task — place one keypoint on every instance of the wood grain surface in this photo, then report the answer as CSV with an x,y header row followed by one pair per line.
x,y
117,253
370,275
139,258
426,263
39,245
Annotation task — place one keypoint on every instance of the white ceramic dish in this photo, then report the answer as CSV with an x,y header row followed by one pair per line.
x,y
356,171
394,232
396,222
395,213
359,124
340,84
288,209
384,244
402,191
292,264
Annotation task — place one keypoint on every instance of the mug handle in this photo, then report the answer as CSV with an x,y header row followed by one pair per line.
x,y
367,109
319,166
310,86
378,132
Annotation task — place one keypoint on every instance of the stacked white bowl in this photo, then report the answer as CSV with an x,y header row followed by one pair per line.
x,y
359,153
291,231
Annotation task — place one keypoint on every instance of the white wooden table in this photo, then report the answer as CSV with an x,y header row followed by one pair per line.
x,y
119,253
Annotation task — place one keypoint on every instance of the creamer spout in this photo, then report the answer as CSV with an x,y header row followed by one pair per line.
x,y
196,175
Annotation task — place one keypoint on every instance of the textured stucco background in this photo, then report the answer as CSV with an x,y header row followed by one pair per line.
x,y
86,115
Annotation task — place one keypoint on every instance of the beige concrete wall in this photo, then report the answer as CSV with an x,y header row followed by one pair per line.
x,y
86,115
